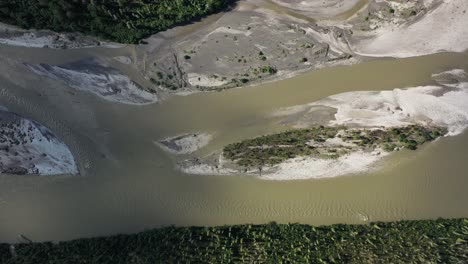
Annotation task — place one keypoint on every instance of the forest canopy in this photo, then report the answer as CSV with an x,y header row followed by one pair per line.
x,y
124,21
430,241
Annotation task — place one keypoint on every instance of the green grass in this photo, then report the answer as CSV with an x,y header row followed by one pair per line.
x,y
276,148
431,241
125,21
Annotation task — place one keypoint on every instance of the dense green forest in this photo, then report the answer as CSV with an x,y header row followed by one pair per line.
x,y
125,21
432,241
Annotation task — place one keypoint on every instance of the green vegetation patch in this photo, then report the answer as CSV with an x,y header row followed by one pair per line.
x,y
430,241
276,148
125,21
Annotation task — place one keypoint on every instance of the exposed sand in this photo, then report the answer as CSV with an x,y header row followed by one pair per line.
x,y
185,144
27,147
442,29
239,48
445,105
232,50
124,60
314,168
204,81
197,167
318,8
97,78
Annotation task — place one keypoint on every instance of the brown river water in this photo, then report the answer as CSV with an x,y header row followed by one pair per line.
x,y
127,184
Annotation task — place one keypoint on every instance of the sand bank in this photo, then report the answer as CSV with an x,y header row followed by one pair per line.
x,y
97,78
442,28
185,144
27,147
315,168
319,8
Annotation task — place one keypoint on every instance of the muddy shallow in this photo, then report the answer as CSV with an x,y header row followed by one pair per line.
x,y
128,184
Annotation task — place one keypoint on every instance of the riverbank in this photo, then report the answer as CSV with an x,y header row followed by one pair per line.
x,y
423,241
413,29
261,41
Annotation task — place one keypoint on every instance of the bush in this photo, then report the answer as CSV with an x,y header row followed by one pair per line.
x,y
269,70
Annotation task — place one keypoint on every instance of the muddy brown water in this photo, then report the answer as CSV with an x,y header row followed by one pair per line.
x,y
128,185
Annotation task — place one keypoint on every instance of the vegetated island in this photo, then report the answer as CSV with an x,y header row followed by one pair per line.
x,y
326,143
425,241
317,152
123,21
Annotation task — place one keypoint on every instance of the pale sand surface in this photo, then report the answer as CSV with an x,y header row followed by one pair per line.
x,y
442,29
26,147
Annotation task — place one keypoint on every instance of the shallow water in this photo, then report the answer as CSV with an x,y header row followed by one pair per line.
x,y
127,184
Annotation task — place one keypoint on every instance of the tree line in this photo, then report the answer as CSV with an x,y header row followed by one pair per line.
x,y
429,241
124,21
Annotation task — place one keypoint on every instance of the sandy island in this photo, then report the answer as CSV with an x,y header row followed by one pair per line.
x,y
185,144
27,147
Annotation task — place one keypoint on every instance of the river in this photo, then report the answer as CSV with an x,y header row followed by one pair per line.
x,y
127,184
